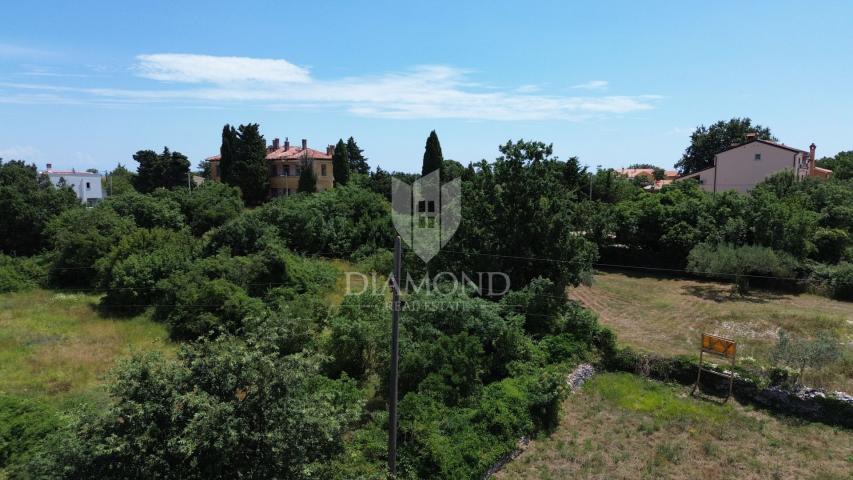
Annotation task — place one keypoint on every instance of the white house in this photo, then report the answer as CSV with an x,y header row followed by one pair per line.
x,y
741,167
86,185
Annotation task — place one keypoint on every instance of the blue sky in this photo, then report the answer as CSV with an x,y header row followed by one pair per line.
x,y
86,84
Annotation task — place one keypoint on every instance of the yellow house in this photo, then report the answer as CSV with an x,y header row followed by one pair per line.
x,y
285,163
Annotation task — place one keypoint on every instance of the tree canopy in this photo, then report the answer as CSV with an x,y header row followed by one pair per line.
x,y
433,159
705,142
243,162
307,177
357,160
166,170
341,164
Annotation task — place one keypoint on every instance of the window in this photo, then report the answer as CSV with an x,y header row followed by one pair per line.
x,y
298,170
272,170
88,186
431,206
323,170
422,206
758,156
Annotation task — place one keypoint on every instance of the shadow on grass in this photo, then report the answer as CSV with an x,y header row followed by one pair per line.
x,y
718,294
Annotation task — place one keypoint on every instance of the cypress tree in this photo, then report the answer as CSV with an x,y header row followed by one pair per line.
x,y
307,177
357,161
250,171
228,155
341,164
433,158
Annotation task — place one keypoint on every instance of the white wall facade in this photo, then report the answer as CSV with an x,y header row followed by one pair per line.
x,y
86,185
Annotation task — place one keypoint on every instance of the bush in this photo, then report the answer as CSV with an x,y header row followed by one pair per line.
x,y
836,280
24,426
28,202
333,222
224,409
147,211
21,273
132,270
81,237
210,206
212,307
743,265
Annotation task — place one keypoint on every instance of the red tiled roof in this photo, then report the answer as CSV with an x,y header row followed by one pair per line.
x,y
69,172
767,142
292,153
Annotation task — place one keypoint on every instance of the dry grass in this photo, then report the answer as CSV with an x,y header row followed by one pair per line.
x,y
623,426
668,315
56,348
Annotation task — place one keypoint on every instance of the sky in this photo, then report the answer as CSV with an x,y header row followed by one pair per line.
x,y
86,84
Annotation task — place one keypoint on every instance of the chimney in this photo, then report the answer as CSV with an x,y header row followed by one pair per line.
x,y
49,167
330,149
750,137
304,144
275,144
812,159
286,144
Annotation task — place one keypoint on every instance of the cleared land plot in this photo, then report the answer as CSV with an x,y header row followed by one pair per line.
x,y
668,315
54,347
623,426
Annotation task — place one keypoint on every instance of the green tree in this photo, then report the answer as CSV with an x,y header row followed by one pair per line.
x,y
705,142
307,177
341,164
841,165
27,203
223,409
357,160
228,155
433,159
120,180
243,162
251,167
799,353
166,170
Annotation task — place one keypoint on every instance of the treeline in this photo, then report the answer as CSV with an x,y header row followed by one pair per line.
x,y
271,381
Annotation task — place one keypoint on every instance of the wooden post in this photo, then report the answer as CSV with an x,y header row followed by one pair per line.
x,y
395,355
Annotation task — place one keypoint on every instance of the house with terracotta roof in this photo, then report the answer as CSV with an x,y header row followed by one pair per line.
x,y
86,185
742,166
649,173
285,163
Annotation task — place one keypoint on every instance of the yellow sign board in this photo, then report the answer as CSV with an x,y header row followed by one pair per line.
x,y
718,345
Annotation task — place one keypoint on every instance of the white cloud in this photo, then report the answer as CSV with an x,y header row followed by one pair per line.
x,y
189,68
592,85
20,152
428,91
9,50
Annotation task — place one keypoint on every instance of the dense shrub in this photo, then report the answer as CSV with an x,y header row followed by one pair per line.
x,y
131,271
27,203
333,222
224,409
24,427
212,307
209,206
743,265
147,211
81,237
836,280
243,235
21,273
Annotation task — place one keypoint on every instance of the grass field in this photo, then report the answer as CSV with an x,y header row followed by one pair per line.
x,y
56,348
623,426
668,315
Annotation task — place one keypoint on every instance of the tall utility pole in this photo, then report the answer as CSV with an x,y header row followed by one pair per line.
x,y
395,357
